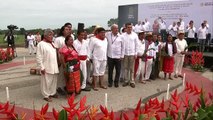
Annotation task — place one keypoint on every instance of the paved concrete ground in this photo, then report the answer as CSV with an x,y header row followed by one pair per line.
x,y
25,89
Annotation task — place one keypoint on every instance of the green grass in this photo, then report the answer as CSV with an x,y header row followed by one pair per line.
x,y
19,40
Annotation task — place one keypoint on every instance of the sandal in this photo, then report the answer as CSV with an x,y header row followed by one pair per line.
x,y
171,78
103,87
48,99
142,81
95,88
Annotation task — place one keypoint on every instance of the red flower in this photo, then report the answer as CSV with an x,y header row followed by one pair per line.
x,y
186,101
175,97
55,114
210,96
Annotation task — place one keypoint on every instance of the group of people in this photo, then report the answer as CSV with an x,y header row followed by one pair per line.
x,y
67,64
160,27
32,41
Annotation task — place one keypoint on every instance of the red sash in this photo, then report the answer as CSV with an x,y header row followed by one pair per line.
x,y
82,57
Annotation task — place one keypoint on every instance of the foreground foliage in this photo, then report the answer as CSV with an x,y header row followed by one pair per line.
x,y
177,108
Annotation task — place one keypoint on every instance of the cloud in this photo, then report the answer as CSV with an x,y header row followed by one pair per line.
x,y
54,13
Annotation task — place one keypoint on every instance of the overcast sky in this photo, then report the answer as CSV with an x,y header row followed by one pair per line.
x,y
31,14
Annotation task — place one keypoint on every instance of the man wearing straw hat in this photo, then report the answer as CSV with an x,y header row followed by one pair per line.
x,y
141,57
150,56
181,51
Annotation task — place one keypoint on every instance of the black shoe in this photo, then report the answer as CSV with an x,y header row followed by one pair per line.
x,y
121,80
116,85
109,85
125,84
60,91
86,89
132,85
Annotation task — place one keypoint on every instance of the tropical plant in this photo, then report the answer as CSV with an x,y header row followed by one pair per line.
x,y
197,61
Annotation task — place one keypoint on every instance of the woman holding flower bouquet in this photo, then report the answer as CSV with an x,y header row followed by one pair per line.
x,y
168,62
71,65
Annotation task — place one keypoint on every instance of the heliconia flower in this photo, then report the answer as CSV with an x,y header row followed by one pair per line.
x,y
125,116
137,110
157,116
82,106
71,101
150,102
112,115
186,101
191,88
44,109
173,114
55,114
92,112
210,96
104,110
197,92
156,102
187,86
175,97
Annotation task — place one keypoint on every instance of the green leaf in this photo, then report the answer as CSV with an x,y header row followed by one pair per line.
x,y
168,118
63,115
186,114
202,114
153,118
179,116
142,116
203,105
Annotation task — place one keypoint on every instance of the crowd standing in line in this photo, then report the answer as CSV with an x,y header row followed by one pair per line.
x,y
137,53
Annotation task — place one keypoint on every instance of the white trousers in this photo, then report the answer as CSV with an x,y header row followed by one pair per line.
x,y
48,84
148,68
99,67
179,59
83,67
31,48
141,70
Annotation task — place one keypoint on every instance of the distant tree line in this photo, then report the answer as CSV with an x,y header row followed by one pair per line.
x,y
23,31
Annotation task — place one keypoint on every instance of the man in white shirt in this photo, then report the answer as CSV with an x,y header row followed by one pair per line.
x,y
47,61
69,25
138,26
182,24
179,27
81,46
141,57
37,38
130,54
98,55
31,39
179,56
191,33
150,56
173,30
206,26
115,53
162,28
202,32
148,26
155,66
59,43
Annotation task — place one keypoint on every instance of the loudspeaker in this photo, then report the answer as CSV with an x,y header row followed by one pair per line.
x,y
80,26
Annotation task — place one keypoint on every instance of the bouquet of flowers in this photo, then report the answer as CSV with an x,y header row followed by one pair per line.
x,y
72,65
